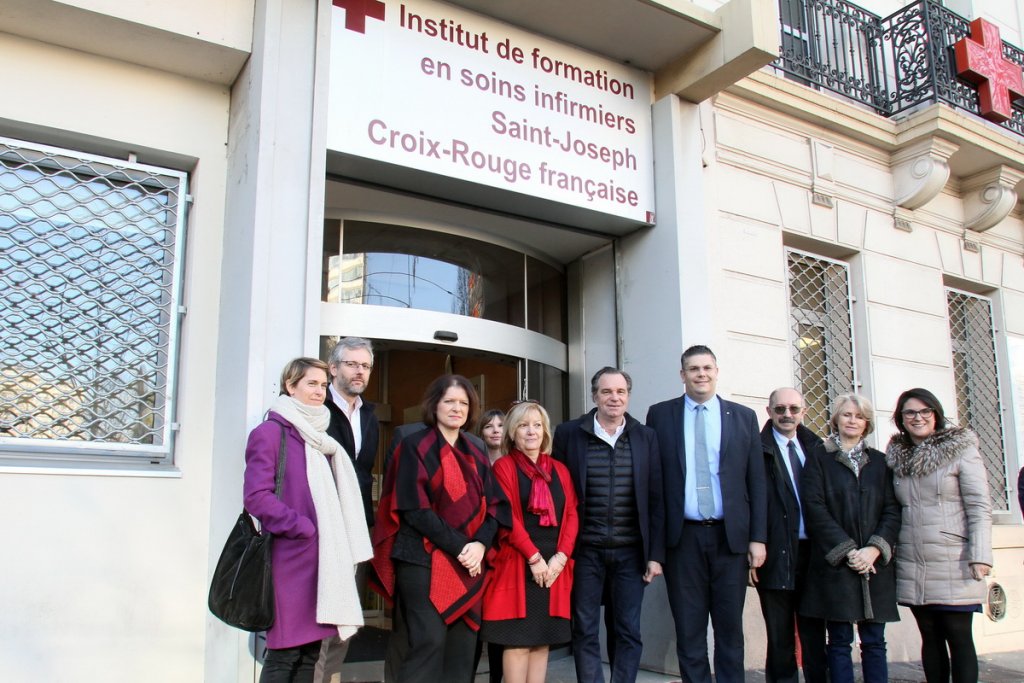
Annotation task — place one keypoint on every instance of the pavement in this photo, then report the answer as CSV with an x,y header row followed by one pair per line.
x,y
1004,667
1007,667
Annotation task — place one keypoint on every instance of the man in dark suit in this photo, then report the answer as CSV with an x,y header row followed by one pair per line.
x,y
786,445
616,471
353,425
715,528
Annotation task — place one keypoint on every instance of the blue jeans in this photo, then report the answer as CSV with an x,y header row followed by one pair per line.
x,y
622,569
872,651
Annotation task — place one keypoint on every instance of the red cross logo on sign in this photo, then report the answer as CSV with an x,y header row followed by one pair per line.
x,y
979,59
356,12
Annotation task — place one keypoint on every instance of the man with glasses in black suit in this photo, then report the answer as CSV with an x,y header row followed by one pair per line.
x,y
780,580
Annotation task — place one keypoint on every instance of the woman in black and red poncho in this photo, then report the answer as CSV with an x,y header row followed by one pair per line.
x,y
439,511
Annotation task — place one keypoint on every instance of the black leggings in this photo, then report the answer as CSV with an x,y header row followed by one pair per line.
x,y
291,664
947,645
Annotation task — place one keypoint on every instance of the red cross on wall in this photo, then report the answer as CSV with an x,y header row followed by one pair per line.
x,y
979,59
356,12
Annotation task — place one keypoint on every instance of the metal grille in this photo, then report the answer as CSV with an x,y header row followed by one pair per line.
x,y
891,63
835,45
976,376
820,316
89,271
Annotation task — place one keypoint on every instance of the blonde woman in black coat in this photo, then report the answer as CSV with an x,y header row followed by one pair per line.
x,y
852,520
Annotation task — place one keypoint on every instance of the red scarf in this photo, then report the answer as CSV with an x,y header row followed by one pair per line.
x,y
447,480
539,474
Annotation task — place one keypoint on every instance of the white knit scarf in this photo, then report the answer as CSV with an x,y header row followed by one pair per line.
x,y
344,541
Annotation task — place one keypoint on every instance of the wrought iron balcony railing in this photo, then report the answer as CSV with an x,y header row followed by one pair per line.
x,y
890,64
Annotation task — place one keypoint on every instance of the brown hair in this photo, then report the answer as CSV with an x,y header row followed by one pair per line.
x,y
436,391
486,418
928,399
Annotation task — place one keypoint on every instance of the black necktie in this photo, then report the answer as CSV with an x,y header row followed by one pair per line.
x,y
794,463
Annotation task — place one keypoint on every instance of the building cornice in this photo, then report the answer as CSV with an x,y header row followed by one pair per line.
x,y
980,144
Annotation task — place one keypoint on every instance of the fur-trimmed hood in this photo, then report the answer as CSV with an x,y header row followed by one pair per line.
x,y
909,460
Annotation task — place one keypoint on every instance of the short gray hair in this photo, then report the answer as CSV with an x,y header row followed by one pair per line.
x,y
609,370
350,344
862,403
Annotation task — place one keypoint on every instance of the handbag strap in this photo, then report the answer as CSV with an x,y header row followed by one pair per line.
x,y
280,465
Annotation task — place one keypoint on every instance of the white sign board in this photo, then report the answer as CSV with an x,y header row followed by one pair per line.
x,y
433,87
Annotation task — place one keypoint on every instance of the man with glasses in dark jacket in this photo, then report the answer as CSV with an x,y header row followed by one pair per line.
x,y
354,425
780,580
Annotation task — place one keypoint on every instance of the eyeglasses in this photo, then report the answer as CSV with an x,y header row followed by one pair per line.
x,y
782,410
355,365
526,400
924,413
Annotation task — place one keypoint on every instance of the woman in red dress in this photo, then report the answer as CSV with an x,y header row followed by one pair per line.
x,y
526,605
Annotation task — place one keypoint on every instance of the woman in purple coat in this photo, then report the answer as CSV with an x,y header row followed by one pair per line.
x,y
318,525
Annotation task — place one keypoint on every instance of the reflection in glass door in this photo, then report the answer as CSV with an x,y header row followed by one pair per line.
x,y
381,264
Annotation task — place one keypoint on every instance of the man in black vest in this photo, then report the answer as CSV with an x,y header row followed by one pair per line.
x,y
780,581
616,470
353,425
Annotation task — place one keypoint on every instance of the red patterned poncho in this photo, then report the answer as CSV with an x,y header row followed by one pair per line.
x,y
455,500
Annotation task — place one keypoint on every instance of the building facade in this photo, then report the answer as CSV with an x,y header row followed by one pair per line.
x,y
518,192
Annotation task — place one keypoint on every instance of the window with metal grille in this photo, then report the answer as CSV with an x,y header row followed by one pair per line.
x,y
976,376
90,261
821,329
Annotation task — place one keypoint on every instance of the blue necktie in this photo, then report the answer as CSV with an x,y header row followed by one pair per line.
x,y
705,497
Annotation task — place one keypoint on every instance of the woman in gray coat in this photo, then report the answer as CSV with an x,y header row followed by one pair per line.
x,y
945,545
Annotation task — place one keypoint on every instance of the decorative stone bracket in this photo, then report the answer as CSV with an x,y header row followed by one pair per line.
x,y
990,196
920,171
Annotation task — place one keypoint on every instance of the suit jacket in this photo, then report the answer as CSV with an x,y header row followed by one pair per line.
x,y
570,447
341,430
741,472
779,569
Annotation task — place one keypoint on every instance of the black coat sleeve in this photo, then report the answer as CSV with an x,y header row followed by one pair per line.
x,y
656,500
822,527
757,484
887,530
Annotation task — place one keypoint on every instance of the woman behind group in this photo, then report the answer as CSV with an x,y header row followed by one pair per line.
x,y
852,519
945,543
492,431
437,516
526,606
318,525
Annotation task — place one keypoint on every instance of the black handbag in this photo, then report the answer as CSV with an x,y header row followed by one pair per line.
x,y
242,588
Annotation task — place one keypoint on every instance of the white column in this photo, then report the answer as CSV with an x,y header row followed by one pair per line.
x,y
275,169
664,271
665,305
